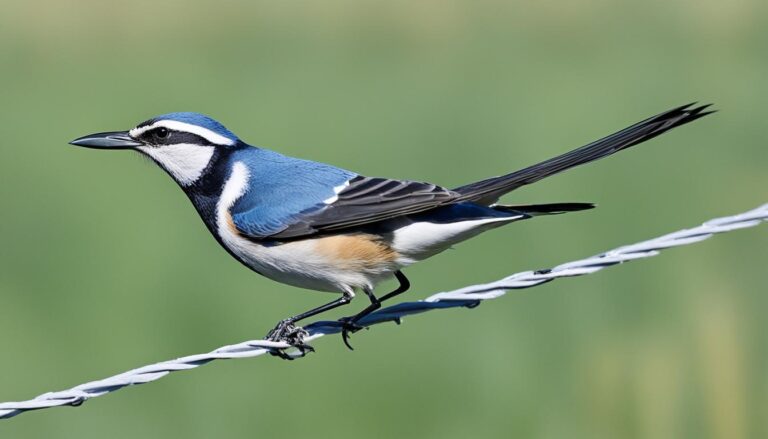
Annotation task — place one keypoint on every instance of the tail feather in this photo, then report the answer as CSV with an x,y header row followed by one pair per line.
x,y
543,209
489,190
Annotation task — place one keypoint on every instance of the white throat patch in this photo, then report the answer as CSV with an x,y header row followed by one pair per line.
x,y
184,161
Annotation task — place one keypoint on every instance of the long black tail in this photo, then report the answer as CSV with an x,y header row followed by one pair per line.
x,y
489,190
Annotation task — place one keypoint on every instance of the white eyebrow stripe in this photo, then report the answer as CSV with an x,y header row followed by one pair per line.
x,y
175,125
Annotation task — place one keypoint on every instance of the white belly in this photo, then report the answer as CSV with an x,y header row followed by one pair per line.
x,y
308,264
344,262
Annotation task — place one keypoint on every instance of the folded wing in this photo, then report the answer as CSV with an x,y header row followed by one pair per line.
x,y
364,200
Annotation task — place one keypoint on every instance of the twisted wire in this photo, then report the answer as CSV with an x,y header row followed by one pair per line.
x,y
470,297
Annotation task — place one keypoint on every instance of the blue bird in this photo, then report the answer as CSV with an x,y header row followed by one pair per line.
x,y
316,226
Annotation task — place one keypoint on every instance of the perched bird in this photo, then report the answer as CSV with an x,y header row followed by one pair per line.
x,y
316,226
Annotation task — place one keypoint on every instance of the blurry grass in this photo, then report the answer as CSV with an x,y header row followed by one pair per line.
x,y
105,265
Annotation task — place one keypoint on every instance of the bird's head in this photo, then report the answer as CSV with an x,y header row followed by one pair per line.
x,y
181,143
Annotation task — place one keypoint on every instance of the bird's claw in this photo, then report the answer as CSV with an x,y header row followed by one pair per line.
x,y
287,331
348,326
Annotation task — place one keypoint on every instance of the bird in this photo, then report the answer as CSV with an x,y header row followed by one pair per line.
x,y
320,227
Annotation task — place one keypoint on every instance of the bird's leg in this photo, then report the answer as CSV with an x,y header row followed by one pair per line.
x,y
350,323
405,284
287,330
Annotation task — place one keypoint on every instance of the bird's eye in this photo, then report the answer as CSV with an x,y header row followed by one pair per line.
x,y
162,133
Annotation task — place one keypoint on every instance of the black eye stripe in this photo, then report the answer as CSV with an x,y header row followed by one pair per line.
x,y
165,136
184,137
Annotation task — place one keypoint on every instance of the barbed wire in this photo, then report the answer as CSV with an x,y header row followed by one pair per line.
x,y
470,297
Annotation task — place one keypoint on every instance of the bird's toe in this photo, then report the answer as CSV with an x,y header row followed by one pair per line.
x,y
287,331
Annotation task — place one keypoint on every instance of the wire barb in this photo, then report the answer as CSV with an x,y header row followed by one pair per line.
x,y
468,297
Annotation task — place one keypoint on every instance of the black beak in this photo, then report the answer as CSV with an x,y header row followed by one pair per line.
x,y
112,140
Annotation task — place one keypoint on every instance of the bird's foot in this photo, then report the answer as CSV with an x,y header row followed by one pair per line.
x,y
348,325
287,331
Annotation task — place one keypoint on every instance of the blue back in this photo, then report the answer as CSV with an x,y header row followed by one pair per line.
x,y
281,190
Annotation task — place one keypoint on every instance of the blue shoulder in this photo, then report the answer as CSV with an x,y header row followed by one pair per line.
x,y
281,189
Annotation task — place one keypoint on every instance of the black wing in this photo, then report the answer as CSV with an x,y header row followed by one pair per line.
x,y
367,200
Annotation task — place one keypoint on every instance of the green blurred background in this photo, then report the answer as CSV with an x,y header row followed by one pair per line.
x,y
105,266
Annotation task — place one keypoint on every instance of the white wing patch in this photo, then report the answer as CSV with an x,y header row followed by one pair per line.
x,y
184,161
336,191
